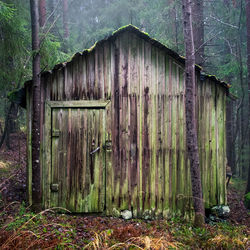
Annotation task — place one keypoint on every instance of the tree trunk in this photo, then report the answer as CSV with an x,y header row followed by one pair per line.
x,y
248,80
198,22
42,12
174,26
13,124
36,192
5,132
65,19
191,130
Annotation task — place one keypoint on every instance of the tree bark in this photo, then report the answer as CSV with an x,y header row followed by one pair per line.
x,y
42,12
5,132
191,130
248,80
65,19
173,15
36,187
198,22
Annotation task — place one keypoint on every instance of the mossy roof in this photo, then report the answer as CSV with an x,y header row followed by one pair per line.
x,y
142,35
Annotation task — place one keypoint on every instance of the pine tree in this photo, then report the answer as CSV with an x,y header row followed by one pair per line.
x,y
36,188
191,130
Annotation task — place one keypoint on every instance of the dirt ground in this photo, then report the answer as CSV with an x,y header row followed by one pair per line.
x,y
12,196
13,180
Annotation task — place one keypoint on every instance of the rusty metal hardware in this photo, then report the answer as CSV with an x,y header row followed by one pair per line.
x,y
54,187
94,151
56,133
108,145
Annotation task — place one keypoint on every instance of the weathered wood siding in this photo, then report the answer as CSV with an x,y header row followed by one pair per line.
x,y
146,170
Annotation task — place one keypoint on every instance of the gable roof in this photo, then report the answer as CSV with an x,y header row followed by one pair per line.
x,y
143,35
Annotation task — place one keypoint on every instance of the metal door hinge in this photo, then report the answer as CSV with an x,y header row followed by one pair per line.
x,y
108,145
54,187
56,133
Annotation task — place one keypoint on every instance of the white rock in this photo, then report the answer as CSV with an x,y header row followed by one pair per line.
x,y
126,214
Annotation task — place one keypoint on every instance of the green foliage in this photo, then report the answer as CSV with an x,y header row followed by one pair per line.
x,y
6,11
22,218
247,200
51,52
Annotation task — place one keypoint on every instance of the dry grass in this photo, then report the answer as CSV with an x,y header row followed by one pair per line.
x,y
223,241
103,240
4,165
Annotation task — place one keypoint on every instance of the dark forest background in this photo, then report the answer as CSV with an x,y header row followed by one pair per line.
x,y
69,26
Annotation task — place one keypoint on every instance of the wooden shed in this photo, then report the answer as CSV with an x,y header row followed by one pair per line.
x,y
113,130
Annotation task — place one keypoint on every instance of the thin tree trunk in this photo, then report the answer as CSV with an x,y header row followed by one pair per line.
x,y
198,22
191,130
42,12
65,19
173,15
36,192
5,132
65,26
248,80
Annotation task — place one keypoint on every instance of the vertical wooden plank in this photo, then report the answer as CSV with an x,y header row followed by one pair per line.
x,y
100,72
138,95
177,143
208,142
124,137
145,107
116,126
213,183
107,71
54,157
75,79
47,157
63,157
86,176
84,77
161,95
182,184
221,157
170,122
60,155
90,75
173,135
68,81
166,141
109,184
153,132
29,145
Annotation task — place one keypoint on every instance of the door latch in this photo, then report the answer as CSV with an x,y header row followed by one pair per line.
x,y
94,151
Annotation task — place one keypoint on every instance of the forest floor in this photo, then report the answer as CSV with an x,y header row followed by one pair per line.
x,y
20,228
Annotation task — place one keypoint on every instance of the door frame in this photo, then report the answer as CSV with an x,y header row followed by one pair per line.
x,y
46,145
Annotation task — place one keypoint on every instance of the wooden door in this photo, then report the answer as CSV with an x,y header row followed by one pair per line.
x,y
78,158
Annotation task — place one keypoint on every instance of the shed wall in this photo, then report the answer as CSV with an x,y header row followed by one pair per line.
x,y
147,170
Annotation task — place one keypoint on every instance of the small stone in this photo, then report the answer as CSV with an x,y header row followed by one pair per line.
x,y
126,215
115,213
221,211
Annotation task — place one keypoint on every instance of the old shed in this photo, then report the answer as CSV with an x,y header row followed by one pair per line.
x,y
113,130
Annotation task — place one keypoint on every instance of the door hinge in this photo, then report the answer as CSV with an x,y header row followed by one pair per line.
x,y
54,187
56,133
108,145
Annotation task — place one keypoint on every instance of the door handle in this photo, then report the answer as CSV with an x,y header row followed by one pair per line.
x,y
94,151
